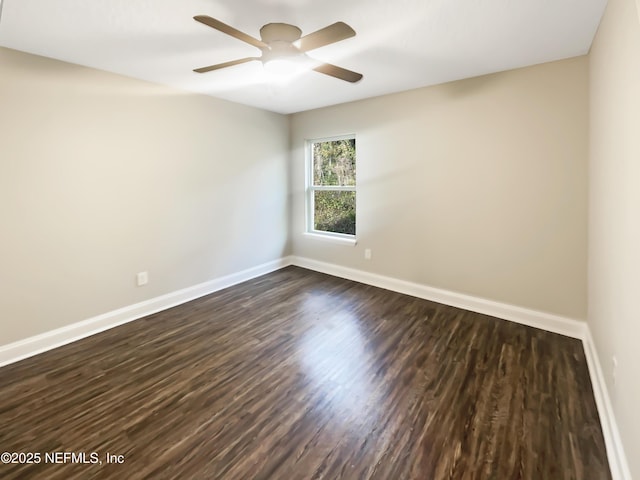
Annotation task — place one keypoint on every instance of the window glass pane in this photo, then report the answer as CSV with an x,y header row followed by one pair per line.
x,y
334,163
335,212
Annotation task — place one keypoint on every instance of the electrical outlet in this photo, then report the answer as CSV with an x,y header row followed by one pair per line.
x,y
614,368
142,278
367,254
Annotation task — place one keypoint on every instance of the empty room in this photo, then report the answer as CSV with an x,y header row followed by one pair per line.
x,y
286,239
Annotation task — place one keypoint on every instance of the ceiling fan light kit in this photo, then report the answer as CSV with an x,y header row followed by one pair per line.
x,y
285,68
283,58
284,49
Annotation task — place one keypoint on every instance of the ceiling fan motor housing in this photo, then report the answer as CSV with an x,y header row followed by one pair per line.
x,y
280,37
282,32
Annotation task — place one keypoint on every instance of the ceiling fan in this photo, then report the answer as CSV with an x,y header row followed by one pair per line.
x,y
281,42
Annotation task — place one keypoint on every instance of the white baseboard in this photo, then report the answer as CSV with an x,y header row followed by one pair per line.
x,y
28,347
546,321
46,341
615,451
553,323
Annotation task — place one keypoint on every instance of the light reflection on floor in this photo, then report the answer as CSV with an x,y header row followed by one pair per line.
x,y
334,356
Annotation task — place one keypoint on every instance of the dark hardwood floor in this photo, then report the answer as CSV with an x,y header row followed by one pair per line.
x,y
299,375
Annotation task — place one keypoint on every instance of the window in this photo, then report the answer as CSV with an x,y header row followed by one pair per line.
x,y
331,186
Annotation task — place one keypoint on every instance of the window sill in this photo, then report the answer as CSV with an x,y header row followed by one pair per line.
x,y
340,240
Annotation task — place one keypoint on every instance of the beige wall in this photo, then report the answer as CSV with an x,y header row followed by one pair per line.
x,y
477,186
614,213
102,176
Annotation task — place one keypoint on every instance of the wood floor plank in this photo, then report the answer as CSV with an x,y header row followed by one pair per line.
x,y
300,375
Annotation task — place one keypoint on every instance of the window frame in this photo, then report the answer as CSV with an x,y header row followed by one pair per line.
x,y
310,189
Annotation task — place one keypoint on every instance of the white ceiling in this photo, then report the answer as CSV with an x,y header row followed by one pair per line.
x,y
400,44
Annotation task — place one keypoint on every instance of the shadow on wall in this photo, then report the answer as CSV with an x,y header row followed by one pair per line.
x,y
471,86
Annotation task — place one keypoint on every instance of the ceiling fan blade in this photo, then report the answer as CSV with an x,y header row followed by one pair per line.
x,y
339,72
225,64
326,36
224,28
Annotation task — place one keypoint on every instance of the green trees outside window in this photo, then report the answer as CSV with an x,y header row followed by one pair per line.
x,y
332,189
